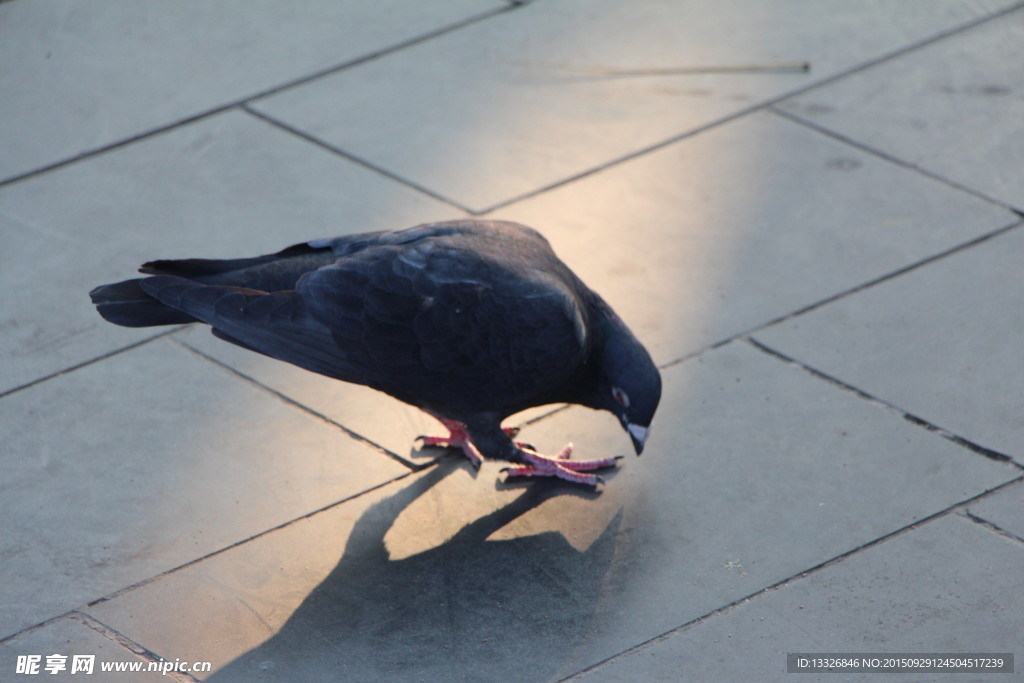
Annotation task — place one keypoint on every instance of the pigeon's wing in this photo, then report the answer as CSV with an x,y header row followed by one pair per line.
x,y
446,321
276,324
457,317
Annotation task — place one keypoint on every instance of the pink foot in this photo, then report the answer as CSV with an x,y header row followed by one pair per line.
x,y
559,465
458,437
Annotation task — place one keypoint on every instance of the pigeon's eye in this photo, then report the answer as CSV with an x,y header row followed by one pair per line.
x,y
620,396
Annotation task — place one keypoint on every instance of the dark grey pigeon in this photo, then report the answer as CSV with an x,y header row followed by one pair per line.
x,y
469,320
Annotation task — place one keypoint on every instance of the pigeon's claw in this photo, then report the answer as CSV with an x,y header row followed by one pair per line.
x,y
559,465
529,463
458,437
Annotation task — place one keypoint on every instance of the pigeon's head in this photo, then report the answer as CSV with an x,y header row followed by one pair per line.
x,y
630,384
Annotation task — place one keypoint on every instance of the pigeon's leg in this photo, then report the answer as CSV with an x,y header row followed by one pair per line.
x,y
457,431
458,437
559,465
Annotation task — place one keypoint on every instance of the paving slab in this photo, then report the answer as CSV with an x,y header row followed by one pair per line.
x,y
725,231
227,186
1004,509
947,586
524,100
150,459
81,77
69,637
954,108
756,471
936,342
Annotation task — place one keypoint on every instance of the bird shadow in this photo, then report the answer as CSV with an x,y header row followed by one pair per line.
x,y
468,609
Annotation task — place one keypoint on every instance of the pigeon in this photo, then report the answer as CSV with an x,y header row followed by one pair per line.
x,y
469,320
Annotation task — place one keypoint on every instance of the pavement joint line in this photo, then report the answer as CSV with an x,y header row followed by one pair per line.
x,y
625,158
354,435
244,101
123,641
337,151
989,453
85,363
886,156
213,553
235,544
960,441
49,621
991,526
266,92
902,270
550,413
696,354
901,51
718,611
383,52
767,104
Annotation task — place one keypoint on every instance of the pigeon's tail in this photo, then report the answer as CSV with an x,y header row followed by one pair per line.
x,y
125,303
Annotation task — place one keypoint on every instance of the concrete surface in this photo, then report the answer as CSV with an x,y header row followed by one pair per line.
x,y
897,596
884,341
952,109
824,263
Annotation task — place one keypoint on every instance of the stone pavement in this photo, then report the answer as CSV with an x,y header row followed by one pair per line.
x,y
824,262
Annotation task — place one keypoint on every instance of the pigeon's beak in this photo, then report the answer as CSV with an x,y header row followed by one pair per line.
x,y
638,433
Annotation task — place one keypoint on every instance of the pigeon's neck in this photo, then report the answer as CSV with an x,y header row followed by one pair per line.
x,y
618,360
588,387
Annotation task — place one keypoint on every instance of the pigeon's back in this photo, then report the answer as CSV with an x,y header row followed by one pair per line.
x,y
461,315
